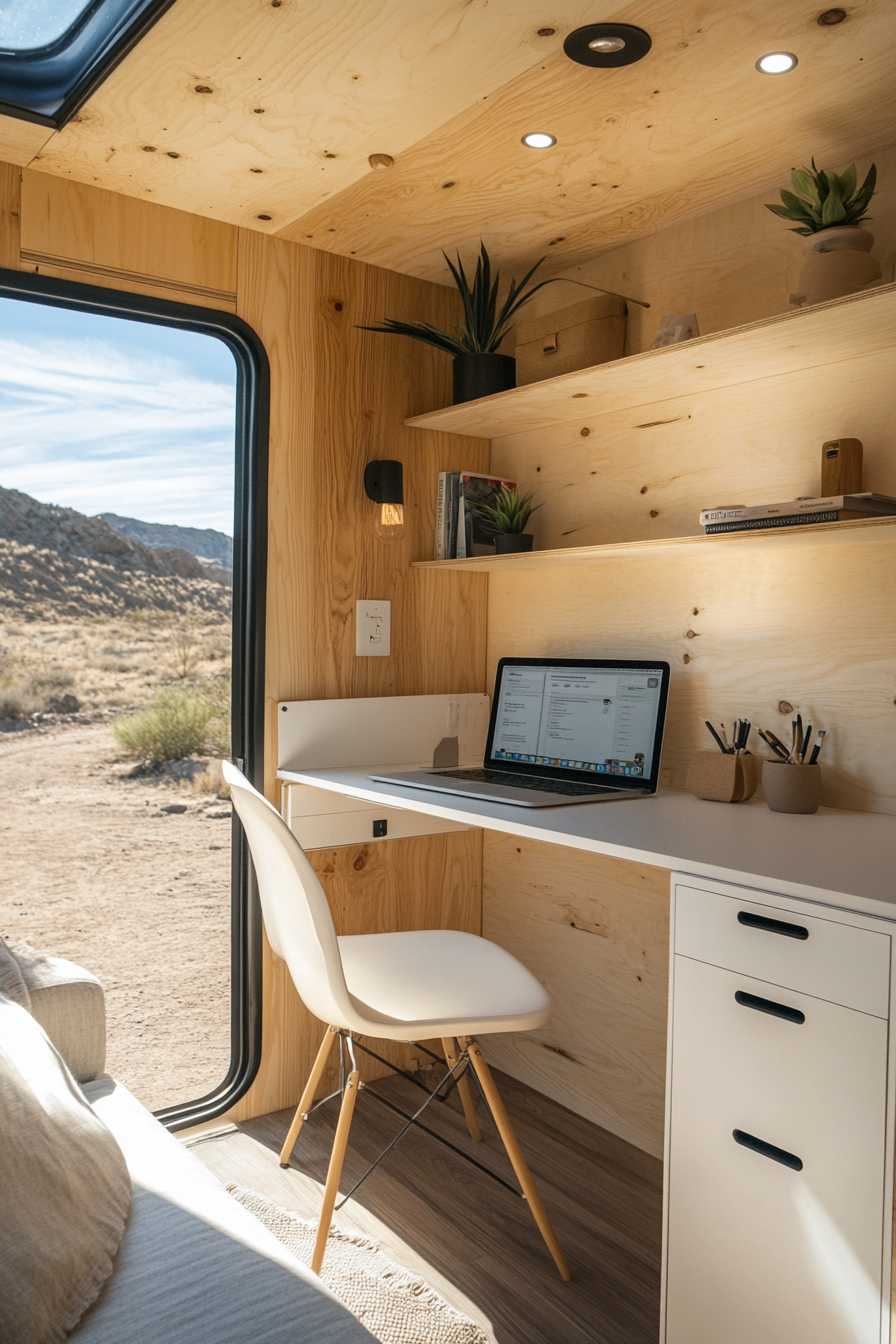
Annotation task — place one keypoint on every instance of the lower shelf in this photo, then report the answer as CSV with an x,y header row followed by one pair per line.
x,y
856,530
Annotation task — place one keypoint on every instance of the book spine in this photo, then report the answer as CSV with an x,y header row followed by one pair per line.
x,y
451,492
461,542
762,524
441,517
860,503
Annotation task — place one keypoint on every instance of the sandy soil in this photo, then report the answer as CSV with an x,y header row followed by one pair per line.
x,y
91,870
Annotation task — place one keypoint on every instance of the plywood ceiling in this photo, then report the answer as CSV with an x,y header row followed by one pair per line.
x,y
300,92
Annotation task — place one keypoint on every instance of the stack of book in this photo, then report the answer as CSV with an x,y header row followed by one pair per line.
x,y
461,531
796,512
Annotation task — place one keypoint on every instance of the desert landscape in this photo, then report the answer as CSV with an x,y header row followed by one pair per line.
x,y
114,700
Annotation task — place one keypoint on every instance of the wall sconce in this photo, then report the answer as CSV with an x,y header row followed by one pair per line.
x,y
384,484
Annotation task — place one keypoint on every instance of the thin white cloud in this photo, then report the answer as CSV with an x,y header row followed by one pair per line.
x,y
87,425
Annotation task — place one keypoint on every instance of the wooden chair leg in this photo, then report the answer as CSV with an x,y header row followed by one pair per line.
x,y
305,1104
452,1055
515,1153
337,1157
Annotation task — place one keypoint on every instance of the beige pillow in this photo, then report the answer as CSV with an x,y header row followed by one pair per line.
x,y
65,1192
11,981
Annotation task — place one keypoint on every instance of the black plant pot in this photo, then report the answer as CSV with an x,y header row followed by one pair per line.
x,y
481,375
512,543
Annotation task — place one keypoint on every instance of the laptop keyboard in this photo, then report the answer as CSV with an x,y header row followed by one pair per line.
x,y
571,788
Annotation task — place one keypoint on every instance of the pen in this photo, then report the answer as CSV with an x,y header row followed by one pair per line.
x,y
779,750
822,733
715,735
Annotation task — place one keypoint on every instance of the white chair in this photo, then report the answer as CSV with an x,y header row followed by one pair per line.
x,y
395,986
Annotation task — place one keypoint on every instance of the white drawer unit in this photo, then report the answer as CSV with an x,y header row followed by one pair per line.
x,y
779,1127
819,952
320,819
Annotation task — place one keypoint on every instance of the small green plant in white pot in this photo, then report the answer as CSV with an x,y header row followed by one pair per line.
x,y
507,518
829,209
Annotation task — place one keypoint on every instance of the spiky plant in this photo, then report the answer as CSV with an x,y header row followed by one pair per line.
x,y
821,200
509,513
484,324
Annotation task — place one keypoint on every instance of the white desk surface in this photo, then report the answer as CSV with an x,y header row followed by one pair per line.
x,y
839,858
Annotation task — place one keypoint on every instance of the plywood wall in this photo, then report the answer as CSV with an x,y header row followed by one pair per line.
x,y
339,396
731,265
595,931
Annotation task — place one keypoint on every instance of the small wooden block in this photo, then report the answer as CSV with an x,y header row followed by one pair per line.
x,y
841,467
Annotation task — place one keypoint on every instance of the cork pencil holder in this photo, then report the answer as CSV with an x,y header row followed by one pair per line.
x,y
723,778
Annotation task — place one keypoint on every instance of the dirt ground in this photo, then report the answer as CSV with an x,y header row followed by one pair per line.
x,y
93,871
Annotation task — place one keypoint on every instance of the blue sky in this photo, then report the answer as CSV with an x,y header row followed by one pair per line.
x,y
102,415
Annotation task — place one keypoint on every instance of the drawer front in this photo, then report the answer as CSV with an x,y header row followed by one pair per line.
x,y
320,819
761,1250
814,954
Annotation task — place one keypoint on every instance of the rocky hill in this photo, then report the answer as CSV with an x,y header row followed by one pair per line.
x,y
58,563
202,541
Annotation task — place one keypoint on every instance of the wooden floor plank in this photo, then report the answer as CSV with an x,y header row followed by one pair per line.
x,y
473,1240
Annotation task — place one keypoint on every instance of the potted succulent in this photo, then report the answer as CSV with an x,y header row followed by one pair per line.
x,y
507,517
829,209
479,369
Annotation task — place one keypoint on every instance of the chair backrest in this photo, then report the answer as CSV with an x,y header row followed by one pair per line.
x,y
296,914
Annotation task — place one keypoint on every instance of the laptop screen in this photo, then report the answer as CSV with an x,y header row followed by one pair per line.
x,y
591,718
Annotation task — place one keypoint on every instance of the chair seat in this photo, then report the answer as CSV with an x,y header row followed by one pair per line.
x,y
438,982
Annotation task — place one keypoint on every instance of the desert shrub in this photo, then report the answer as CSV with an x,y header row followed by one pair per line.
x,y
210,780
17,701
179,721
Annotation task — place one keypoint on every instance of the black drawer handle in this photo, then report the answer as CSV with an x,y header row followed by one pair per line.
x,y
769,1006
772,925
768,1150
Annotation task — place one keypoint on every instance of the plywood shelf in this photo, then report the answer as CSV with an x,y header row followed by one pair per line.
x,y
854,531
849,328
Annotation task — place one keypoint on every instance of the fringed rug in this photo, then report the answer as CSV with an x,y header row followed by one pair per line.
x,y
396,1306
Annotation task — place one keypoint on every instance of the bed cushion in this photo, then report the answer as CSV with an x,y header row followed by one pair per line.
x,y
194,1265
66,1191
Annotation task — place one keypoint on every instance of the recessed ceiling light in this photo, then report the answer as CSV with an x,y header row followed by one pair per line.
x,y
539,140
607,44
776,63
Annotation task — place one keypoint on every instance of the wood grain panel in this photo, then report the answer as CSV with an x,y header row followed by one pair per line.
x,y
813,628
850,328
595,931
729,266
691,127
645,473
10,215
296,97
21,140
339,396
427,882
104,238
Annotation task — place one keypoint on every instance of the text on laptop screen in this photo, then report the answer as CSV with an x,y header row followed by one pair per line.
x,y
601,719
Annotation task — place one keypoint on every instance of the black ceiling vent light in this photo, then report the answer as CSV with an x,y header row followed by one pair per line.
x,y
53,56
607,44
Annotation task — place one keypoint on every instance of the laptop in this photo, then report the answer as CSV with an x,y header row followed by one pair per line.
x,y
563,730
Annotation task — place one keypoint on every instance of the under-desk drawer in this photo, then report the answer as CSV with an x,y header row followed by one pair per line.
x,y
815,954
320,819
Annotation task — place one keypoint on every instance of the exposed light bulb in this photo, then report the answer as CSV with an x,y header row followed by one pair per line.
x,y
607,44
389,525
776,63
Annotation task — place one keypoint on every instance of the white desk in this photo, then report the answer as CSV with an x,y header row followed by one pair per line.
x,y
838,858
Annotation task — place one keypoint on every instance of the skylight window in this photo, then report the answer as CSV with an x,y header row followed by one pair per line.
x,y
54,53
34,25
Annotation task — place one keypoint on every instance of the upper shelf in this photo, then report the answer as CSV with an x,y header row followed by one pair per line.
x,y
814,534
849,328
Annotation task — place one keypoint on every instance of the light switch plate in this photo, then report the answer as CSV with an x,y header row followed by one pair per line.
x,y
373,629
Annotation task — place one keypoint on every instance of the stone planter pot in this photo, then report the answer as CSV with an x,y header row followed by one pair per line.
x,y
513,543
791,788
480,375
836,262
720,778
